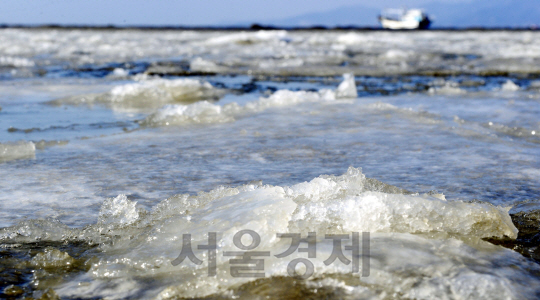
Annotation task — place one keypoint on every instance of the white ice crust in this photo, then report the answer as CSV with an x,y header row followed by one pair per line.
x,y
206,112
408,231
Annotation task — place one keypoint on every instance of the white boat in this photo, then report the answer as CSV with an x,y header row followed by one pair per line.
x,y
404,19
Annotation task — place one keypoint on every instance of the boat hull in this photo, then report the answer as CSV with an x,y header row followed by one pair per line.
x,y
404,24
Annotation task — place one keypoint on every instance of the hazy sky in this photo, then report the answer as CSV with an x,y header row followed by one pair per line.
x,y
173,12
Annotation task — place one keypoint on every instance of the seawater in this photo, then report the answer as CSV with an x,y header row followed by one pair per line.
x,y
117,146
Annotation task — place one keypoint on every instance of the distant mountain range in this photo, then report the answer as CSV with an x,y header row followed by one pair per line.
x,y
476,13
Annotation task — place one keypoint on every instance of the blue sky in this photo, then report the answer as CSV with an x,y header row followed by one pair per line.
x,y
175,12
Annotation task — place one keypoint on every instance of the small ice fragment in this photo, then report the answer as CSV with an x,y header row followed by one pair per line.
x,y
52,258
119,73
17,150
347,88
118,211
510,86
201,65
449,88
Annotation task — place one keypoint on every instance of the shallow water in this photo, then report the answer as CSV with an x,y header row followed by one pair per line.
x,y
114,144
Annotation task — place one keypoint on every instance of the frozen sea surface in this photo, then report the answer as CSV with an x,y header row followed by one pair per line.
x,y
116,143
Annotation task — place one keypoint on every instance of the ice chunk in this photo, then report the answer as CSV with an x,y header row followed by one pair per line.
x,y
30,231
346,203
380,212
201,65
119,73
417,235
52,258
17,150
510,86
42,144
148,94
208,113
284,98
162,90
347,88
326,205
201,112
118,212
449,88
